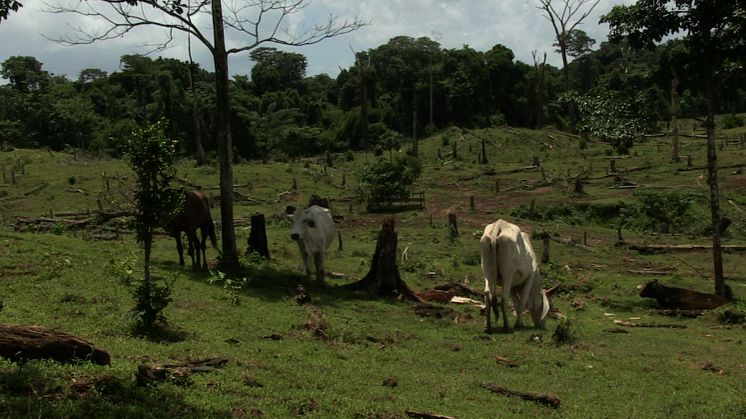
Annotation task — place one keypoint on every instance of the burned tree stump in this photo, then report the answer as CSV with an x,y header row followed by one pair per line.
x,y
21,342
383,279
258,237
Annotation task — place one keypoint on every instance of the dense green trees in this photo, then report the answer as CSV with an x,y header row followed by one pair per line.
x,y
277,111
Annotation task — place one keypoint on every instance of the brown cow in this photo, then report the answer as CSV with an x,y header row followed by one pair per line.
x,y
196,214
682,298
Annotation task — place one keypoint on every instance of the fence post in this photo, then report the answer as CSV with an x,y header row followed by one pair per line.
x,y
471,203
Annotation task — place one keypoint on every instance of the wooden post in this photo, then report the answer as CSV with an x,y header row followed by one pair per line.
x,y
12,177
543,174
439,156
497,185
431,220
98,203
743,139
452,226
619,235
585,238
536,161
455,151
5,179
295,184
484,152
689,161
344,179
612,166
349,208
339,237
471,203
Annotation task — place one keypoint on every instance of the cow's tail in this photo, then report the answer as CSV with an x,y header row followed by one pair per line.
x,y
544,304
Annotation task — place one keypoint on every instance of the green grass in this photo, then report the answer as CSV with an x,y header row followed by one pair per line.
x,y
74,283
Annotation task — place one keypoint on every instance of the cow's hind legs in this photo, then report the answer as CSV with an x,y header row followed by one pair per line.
x,y
490,304
319,262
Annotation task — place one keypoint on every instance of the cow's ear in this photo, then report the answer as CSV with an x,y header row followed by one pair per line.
x,y
290,210
311,223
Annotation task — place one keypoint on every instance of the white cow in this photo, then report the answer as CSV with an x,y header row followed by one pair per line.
x,y
313,229
509,260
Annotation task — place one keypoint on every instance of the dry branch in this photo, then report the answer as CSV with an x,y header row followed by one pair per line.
x,y
505,361
518,170
19,342
547,399
571,242
662,325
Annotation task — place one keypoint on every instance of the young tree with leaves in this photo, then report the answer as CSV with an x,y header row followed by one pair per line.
x,y
152,156
715,38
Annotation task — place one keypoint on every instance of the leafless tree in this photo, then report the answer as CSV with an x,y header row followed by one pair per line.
x,y
564,20
257,22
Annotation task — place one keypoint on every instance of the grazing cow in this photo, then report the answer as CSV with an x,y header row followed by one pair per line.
x,y
509,260
313,229
195,215
682,298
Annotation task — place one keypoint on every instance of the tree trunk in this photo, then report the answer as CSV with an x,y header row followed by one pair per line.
x,y
364,135
674,117
199,153
258,236
223,135
18,342
712,180
566,73
383,279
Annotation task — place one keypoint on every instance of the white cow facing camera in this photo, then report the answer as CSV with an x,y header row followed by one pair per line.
x,y
313,230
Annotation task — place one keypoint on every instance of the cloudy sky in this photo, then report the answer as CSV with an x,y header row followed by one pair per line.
x,y
481,24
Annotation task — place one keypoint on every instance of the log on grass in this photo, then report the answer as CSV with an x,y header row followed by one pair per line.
x,y
661,325
22,342
176,373
663,248
425,415
547,399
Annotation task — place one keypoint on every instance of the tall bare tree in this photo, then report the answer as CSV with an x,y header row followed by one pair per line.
x,y
257,22
565,19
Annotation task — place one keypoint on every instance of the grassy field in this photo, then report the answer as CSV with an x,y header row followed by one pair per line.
x,y
379,358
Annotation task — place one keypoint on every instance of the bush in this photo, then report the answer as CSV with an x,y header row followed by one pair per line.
x,y
732,121
662,212
386,177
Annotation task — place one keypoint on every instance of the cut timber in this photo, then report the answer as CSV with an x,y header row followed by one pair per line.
x,y
571,242
21,342
518,170
547,399
383,279
663,248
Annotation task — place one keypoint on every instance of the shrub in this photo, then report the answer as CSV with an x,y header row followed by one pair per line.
x,y
661,212
732,121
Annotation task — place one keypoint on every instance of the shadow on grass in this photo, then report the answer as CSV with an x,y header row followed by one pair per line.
x,y
32,389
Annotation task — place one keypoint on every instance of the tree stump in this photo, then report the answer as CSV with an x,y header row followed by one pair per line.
x,y
258,237
383,279
452,226
21,342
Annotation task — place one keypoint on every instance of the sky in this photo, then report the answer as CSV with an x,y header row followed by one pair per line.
x,y
480,24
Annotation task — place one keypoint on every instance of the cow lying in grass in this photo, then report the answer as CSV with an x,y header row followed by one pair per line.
x,y
682,298
509,260
313,230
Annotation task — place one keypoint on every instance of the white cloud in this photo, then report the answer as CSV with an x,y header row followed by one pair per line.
x,y
481,24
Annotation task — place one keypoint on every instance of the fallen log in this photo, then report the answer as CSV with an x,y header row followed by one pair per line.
x,y
662,325
547,399
505,361
176,373
22,342
571,242
518,170
664,248
426,415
